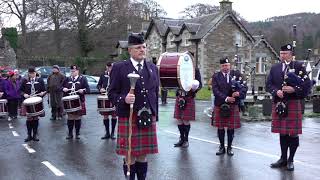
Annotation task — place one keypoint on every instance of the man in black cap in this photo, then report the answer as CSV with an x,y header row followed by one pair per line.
x,y
76,84
145,107
29,87
226,110
55,81
103,85
286,109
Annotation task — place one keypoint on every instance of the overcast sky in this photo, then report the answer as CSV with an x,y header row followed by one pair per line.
x,y
251,10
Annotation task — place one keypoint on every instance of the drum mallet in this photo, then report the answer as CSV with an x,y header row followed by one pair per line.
x,y
133,79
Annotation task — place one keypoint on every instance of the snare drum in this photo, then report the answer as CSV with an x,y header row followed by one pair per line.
x,y
71,103
104,104
3,107
176,70
34,106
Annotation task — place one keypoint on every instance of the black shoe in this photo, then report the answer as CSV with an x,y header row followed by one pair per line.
x,y
185,144
107,136
113,136
229,151
280,163
69,136
221,150
35,138
78,136
29,138
179,143
290,166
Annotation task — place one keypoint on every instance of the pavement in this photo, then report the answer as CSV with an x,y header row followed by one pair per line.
x,y
54,157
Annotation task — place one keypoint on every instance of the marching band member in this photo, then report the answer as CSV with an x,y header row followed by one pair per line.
x,y
145,107
226,101
103,86
78,83
185,110
286,109
29,87
13,95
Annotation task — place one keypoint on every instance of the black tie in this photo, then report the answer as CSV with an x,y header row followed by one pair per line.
x,y
226,77
139,67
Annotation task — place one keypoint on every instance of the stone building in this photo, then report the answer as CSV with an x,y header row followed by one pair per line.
x,y
211,37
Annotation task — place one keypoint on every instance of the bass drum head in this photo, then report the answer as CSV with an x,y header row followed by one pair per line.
x,y
186,71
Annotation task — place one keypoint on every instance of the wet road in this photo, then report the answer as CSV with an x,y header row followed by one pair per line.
x,y
54,157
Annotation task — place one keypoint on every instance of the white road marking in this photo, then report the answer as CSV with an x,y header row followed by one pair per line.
x,y
249,151
29,149
10,126
56,171
15,133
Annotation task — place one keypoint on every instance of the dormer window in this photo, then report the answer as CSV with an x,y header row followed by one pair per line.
x,y
239,39
186,38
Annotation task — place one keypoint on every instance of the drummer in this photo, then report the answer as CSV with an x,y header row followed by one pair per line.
x,y
31,86
79,85
103,86
185,110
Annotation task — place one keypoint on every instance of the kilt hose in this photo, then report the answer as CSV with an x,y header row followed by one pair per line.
x,y
188,113
143,141
292,124
232,122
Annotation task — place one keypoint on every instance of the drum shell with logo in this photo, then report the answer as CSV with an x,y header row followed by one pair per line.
x,y
34,106
3,107
176,70
71,103
104,104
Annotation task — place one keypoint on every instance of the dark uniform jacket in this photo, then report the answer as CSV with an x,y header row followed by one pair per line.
x,y
38,86
80,83
103,81
146,90
221,89
276,78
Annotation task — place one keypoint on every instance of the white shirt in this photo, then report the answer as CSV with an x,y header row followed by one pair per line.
x,y
135,63
74,78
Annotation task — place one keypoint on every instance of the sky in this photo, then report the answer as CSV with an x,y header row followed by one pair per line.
x,y
251,10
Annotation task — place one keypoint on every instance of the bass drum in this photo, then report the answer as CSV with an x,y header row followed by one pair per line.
x,y
176,70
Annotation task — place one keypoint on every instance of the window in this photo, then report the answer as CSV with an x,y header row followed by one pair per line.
x,y
261,65
239,39
186,39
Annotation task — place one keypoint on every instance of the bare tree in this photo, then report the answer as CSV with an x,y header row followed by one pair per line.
x,y
53,13
199,9
88,14
21,9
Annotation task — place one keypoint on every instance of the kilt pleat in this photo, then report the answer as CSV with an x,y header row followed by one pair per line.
x,y
232,122
187,114
143,141
292,124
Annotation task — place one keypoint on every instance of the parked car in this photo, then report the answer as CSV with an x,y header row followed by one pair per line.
x,y
93,82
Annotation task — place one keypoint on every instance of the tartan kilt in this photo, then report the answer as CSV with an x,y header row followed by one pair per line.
x,y
81,112
187,114
107,114
232,122
292,124
143,141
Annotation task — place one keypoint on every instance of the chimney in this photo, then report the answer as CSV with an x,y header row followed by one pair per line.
x,y
225,5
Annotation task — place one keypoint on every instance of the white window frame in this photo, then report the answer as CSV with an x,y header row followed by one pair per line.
x,y
261,65
239,39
